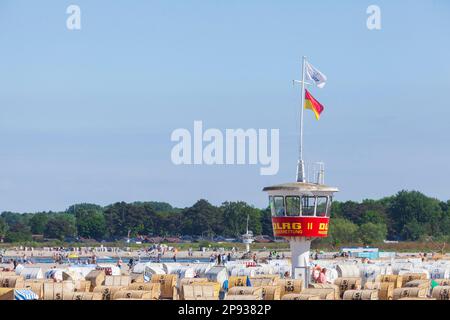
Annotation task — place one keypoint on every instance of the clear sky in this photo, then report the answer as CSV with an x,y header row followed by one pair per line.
x,y
86,116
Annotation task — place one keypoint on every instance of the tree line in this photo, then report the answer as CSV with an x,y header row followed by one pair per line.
x,y
406,216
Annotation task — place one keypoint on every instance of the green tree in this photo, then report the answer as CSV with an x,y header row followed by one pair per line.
x,y
38,223
12,218
157,206
60,227
266,222
91,223
73,209
336,209
122,217
352,211
411,207
343,231
444,224
235,218
3,229
373,216
202,219
18,232
371,233
166,224
414,230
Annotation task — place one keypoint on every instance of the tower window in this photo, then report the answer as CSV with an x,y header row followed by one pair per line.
x,y
292,206
308,204
277,206
321,210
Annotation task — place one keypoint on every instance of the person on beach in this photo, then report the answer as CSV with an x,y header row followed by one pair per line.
x,y
322,276
175,251
316,273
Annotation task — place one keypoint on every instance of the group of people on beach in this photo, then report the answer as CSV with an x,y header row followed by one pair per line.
x,y
220,258
275,255
15,262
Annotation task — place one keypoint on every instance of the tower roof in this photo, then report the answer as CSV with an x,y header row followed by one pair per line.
x,y
301,187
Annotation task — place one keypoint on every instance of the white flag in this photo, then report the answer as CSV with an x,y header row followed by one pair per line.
x,y
315,75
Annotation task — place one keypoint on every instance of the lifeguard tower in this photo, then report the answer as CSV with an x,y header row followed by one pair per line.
x,y
301,210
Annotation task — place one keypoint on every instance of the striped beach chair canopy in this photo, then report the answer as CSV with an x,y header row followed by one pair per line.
x,y
24,294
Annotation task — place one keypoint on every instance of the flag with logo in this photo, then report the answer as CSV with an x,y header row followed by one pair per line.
x,y
315,75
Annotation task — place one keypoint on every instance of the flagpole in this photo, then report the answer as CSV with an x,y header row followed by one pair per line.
x,y
301,164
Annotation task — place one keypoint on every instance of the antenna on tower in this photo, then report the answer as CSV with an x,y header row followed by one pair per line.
x,y
320,173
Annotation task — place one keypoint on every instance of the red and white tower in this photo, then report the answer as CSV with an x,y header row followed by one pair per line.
x,y
301,210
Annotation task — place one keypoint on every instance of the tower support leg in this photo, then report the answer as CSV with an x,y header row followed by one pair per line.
x,y
300,248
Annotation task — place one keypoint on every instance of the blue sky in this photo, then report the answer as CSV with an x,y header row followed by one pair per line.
x,y
86,116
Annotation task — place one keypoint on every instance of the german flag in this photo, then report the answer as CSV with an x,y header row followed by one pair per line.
x,y
313,104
